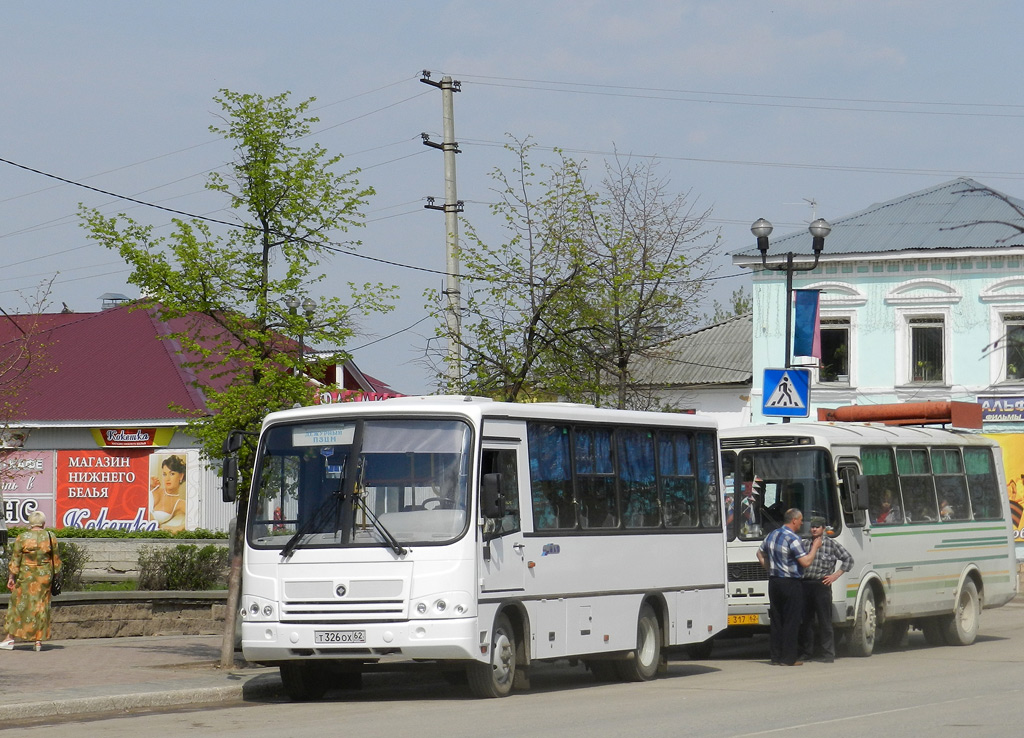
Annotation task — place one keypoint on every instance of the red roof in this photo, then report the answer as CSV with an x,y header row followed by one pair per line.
x,y
109,365
112,366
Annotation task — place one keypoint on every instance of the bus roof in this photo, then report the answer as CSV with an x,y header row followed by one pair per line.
x,y
479,408
840,432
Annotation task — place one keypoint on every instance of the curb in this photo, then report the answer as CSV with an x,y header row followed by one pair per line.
x,y
240,688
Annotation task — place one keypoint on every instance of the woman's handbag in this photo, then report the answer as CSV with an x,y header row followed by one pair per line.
x,y
57,577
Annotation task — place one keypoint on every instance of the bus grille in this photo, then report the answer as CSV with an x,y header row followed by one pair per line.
x,y
341,613
747,572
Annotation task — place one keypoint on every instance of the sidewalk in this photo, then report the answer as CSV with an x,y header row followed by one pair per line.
x,y
99,675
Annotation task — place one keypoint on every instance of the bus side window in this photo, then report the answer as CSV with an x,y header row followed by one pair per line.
x,y
950,484
503,462
917,485
986,495
554,506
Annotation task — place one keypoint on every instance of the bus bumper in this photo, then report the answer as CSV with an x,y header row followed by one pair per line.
x,y
420,639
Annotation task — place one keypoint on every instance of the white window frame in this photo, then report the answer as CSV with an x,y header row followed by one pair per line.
x,y
999,347
904,368
851,343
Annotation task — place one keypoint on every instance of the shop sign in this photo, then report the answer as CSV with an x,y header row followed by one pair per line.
x,y
132,437
27,482
1002,409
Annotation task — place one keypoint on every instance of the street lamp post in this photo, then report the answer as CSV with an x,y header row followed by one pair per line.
x,y
761,230
308,307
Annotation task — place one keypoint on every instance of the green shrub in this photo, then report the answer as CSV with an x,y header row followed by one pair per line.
x,y
184,567
73,559
197,534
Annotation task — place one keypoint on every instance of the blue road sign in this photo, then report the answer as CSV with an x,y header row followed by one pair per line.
x,y
787,393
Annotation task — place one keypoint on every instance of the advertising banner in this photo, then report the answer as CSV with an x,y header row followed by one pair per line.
x,y
104,489
1013,465
27,486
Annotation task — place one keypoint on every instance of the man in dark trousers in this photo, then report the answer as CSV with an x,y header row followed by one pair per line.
x,y
784,555
817,581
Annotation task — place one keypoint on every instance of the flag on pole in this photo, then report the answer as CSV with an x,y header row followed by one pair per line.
x,y
807,331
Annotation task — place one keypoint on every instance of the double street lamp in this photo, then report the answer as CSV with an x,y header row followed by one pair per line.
x,y
308,307
761,230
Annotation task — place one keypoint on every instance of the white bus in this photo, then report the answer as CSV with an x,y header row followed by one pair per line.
x,y
480,535
922,510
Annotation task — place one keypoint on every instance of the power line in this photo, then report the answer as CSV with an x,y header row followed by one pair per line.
x,y
330,246
754,163
746,99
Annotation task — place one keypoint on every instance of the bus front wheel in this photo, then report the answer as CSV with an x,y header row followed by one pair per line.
x,y
643,663
862,635
495,679
961,628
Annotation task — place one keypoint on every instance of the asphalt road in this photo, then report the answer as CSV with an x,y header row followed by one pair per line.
x,y
917,690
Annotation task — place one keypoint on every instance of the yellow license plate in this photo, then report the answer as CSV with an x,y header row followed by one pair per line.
x,y
744,620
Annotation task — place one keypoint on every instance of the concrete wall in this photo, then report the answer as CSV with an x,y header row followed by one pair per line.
x,y
112,614
115,559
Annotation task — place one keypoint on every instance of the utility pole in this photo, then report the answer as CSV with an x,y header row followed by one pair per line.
x,y
452,207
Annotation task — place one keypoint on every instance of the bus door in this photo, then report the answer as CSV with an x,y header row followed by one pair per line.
x,y
502,552
855,536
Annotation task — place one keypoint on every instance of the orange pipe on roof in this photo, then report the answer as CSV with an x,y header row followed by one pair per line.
x,y
959,414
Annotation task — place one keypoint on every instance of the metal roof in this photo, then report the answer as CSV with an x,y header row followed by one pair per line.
x,y
719,354
957,215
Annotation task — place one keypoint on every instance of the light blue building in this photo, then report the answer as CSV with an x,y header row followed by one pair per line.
x,y
922,299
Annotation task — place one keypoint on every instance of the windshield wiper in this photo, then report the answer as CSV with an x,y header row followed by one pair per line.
x,y
389,539
315,521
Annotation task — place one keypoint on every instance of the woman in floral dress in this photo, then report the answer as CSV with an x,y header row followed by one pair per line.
x,y
31,568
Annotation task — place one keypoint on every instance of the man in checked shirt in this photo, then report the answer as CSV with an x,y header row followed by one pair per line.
x,y
817,583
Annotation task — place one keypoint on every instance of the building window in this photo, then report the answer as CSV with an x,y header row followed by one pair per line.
x,y
835,350
927,349
1014,326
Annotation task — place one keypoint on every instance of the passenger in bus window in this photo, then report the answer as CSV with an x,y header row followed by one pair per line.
x,y
817,640
890,512
945,510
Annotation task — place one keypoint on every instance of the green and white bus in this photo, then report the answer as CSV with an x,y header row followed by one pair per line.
x,y
922,510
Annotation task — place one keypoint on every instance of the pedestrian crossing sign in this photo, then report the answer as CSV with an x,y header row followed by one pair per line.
x,y
787,393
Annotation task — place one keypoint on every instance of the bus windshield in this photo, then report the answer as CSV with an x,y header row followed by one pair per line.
x,y
761,485
353,482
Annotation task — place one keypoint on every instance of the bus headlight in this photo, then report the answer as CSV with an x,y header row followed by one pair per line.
x,y
447,605
257,609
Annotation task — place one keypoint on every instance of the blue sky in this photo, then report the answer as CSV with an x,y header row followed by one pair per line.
x,y
754,108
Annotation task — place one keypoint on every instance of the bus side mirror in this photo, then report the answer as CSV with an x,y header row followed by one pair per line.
x,y
859,498
492,504
232,443
229,479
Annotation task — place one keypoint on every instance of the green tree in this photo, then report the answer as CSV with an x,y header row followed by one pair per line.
x,y
586,280
647,254
739,304
516,310
227,286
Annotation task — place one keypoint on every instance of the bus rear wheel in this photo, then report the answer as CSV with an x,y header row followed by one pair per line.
x,y
495,679
303,681
961,628
643,663
861,641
